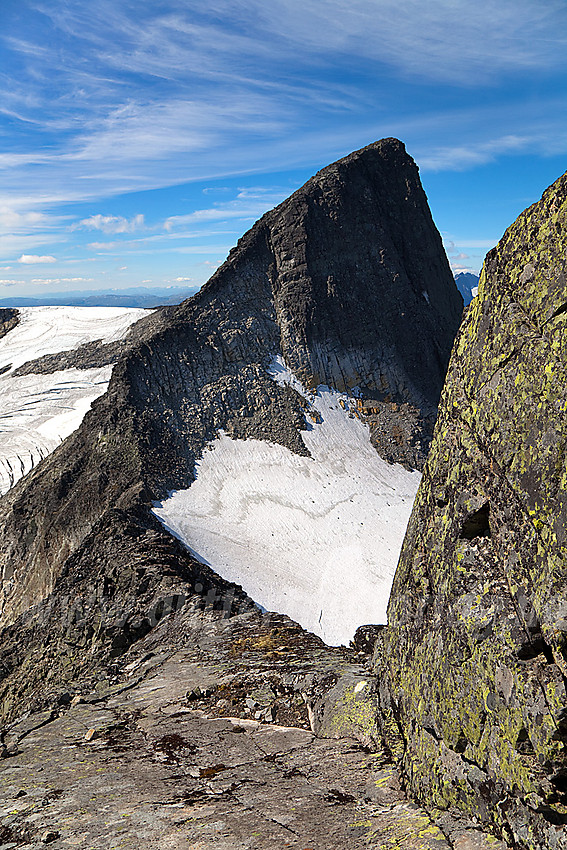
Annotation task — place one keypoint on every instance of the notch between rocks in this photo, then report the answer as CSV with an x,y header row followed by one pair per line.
x,y
476,524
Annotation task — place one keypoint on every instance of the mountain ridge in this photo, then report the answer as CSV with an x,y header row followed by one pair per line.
x,y
201,366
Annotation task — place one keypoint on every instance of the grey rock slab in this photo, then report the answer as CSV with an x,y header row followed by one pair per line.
x,y
193,782
472,839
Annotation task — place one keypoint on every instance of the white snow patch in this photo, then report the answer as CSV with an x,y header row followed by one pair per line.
x,y
48,330
317,537
37,412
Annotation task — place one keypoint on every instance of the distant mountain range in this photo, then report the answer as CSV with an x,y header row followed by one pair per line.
x,y
467,284
140,296
137,296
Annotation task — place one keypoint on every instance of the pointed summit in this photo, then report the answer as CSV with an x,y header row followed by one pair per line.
x,y
347,283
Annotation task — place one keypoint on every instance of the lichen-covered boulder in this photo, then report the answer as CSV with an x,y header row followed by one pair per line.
x,y
472,668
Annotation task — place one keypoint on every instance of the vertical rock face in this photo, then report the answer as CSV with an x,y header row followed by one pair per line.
x,y
347,280
473,667
360,279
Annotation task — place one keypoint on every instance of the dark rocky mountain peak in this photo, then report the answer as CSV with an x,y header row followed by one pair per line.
x,y
467,284
347,280
352,260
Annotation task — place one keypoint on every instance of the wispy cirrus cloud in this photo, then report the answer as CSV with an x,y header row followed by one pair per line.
x,y
126,96
460,157
456,41
24,229
452,40
249,203
48,281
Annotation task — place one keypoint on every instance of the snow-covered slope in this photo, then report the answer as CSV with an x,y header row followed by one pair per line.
x,y
317,537
47,330
38,411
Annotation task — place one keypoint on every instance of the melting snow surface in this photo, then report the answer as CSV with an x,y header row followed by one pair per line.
x,y
37,412
317,537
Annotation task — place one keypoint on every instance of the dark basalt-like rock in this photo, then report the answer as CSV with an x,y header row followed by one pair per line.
x,y
9,318
347,280
473,667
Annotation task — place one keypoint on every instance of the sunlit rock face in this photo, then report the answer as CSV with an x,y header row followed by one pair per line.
x,y
347,283
472,669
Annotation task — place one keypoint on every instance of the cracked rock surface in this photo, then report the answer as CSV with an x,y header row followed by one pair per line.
x,y
472,669
168,755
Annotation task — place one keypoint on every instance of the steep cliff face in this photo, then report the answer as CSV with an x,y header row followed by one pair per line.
x,y
347,280
473,668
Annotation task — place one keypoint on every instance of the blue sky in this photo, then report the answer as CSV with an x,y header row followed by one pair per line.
x,y
140,139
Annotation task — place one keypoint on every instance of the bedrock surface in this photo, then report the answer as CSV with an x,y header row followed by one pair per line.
x,y
215,733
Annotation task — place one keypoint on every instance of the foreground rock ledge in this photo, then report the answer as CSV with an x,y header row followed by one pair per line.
x,y
150,760
472,671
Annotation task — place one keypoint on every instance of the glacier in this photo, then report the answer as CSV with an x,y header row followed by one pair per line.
x,y
316,538
38,411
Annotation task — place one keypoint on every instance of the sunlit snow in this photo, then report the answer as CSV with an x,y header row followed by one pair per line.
x,y
317,537
37,412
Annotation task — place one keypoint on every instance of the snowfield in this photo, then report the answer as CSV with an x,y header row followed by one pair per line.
x,y
317,538
37,412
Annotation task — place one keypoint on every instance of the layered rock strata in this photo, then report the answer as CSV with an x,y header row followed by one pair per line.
x,y
473,666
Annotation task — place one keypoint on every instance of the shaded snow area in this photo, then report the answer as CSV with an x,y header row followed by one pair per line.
x,y
37,412
317,537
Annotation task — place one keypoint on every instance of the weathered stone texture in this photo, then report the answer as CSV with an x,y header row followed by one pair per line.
x,y
169,750
472,667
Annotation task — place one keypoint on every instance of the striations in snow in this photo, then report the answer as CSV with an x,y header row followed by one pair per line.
x,y
41,407
317,537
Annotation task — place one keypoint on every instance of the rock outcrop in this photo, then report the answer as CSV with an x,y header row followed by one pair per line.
x,y
472,668
207,733
9,318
